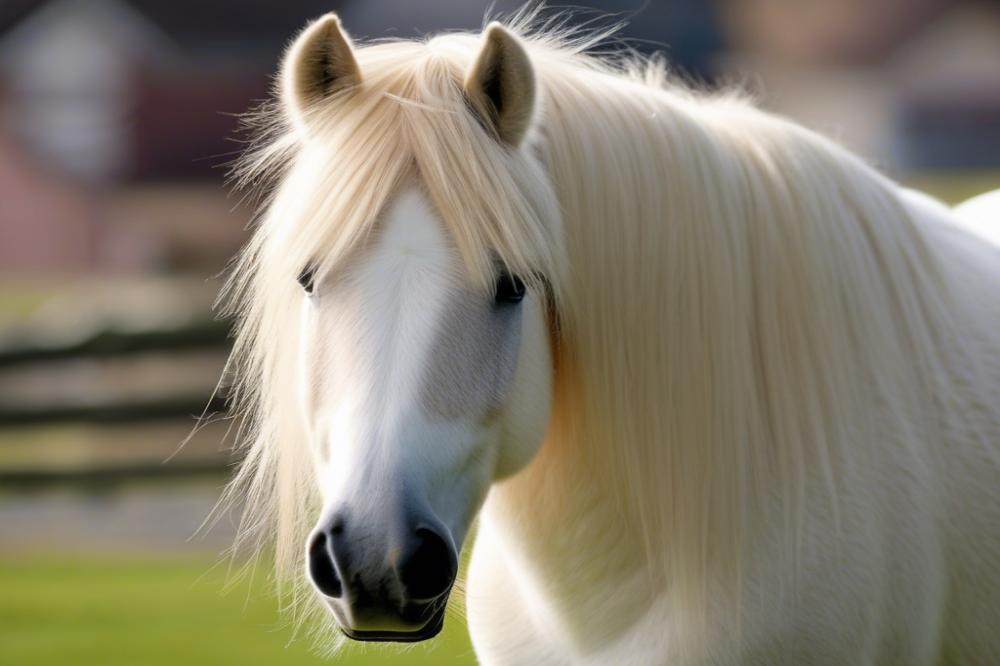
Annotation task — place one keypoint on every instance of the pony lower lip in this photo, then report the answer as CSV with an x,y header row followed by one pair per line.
x,y
432,629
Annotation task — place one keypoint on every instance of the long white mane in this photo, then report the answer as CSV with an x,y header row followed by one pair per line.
x,y
745,310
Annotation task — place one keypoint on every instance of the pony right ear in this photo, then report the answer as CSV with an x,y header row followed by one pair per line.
x,y
319,63
501,85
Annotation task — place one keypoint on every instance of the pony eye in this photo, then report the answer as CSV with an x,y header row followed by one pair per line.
x,y
509,289
306,279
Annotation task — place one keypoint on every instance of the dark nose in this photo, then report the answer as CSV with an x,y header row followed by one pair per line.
x,y
322,569
428,567
424,569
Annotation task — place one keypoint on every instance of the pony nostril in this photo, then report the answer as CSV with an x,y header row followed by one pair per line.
x,y
321,568
429,569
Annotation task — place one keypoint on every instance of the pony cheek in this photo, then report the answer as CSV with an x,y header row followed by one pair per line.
x,y
526,416
515,454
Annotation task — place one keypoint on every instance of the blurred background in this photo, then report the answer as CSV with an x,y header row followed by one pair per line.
x,y
117,121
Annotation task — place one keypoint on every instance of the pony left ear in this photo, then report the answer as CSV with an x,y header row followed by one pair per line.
x,y
501,85
319,63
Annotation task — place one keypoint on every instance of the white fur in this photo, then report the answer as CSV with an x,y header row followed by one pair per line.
x,y
773,404
981,214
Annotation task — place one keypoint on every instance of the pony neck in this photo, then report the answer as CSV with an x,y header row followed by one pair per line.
x,y
564,536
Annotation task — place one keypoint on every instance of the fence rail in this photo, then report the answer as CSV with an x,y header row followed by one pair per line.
x,y
110,475
111,413
105,344
109,343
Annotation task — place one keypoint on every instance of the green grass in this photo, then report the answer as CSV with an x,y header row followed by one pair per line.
x,y
955,186
143,612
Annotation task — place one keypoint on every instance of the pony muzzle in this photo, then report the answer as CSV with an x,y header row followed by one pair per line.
x,y
381,589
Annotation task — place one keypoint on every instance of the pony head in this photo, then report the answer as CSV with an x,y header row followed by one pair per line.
x,y
397,315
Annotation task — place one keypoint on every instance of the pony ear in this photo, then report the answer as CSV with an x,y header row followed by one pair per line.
x,y
501,85
318,64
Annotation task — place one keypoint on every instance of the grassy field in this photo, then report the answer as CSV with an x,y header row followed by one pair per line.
x,y
955,186
142,612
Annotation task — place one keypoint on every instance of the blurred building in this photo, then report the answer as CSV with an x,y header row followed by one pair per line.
x,y
104,111
117,117
914,84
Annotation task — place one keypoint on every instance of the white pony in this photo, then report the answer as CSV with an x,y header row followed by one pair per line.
x,y
718,392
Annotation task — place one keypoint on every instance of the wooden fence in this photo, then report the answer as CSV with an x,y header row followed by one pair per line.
x,y
201,336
